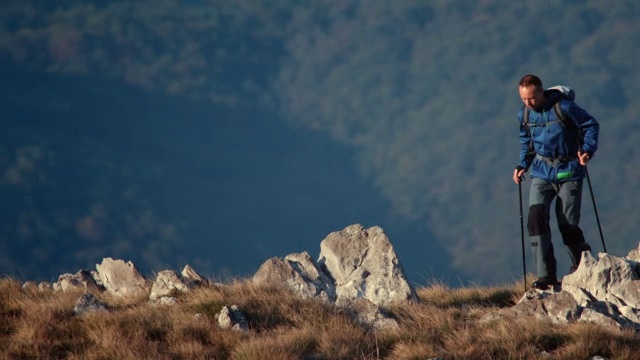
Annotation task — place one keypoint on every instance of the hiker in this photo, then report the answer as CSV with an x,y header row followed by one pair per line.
x,y
556,143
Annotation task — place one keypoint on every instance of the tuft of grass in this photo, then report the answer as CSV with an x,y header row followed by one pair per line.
x,y
282,325
441,295
279,344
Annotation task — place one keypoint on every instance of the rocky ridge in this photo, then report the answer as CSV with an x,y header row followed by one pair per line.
x,y
358,269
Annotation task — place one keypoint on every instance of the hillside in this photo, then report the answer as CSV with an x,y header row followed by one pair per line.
x,y
36,324
162,131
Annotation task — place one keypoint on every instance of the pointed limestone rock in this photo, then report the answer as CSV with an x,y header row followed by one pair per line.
x,y
363,264
192,277
120,278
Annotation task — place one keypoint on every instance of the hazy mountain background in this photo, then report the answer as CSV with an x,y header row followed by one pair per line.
x,y
223,133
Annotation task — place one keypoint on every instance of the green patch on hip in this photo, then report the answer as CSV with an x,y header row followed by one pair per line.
x,y
565,175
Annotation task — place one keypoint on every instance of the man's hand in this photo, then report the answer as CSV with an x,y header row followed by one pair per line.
x,y
584,158
518,175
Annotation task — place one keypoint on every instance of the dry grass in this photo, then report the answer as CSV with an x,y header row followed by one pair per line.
x,y
42,325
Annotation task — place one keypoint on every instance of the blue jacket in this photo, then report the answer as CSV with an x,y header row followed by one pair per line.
x,y
556,147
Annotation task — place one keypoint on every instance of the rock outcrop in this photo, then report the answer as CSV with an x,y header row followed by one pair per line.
x,y
363,264
120,278
357,269
355,263
604,290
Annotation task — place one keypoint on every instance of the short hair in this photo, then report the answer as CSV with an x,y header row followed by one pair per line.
x,y
529,81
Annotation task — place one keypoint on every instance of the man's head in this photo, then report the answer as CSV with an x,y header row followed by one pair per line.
x,y
531,91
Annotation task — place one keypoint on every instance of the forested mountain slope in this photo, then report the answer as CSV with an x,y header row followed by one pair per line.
x,y
423,94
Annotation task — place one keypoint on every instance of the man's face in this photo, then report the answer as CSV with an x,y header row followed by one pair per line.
x,y
531,96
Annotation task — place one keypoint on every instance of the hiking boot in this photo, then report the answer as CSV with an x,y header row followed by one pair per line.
x,y
545,282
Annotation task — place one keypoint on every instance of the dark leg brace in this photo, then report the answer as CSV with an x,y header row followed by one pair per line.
x,y
574,240
540,237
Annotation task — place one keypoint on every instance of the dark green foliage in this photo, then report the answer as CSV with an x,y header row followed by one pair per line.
x,y
424,93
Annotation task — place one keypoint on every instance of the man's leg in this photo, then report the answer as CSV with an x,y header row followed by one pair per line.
x,y
540,198
568,208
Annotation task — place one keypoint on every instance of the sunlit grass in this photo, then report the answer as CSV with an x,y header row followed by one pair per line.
x,y
41,324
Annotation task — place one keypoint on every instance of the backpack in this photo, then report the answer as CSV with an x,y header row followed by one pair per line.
x,y
565,93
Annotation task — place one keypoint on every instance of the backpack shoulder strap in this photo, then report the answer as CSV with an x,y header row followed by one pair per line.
x,y
564,120
525,123
525,117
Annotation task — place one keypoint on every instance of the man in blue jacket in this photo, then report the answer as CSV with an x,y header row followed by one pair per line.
x,y
556,154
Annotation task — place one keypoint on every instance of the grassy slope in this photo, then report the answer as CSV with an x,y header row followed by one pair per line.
x,y
36,324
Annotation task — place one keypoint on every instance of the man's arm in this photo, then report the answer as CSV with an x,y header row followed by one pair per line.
x,y
526,153
589,128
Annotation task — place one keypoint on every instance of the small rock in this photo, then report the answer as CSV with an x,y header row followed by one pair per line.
x,y
167,284
167,301
88,303
192,277
299,273
44,286
233,318
80,280
29,285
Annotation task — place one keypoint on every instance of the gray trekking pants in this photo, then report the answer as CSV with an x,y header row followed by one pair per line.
x,y
568,197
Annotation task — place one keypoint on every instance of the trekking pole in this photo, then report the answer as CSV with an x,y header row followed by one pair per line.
x,y
593,199
524,265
